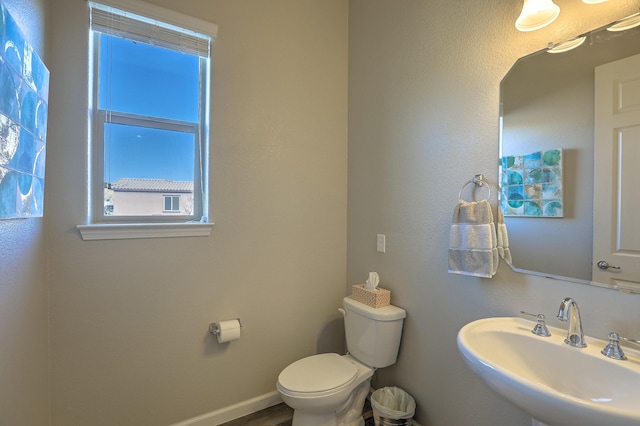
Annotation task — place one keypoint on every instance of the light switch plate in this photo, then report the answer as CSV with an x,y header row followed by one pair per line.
x,y
381,243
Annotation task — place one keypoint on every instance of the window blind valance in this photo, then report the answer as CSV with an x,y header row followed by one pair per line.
x,y
149,29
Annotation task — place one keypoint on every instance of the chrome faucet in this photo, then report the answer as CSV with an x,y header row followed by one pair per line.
x,y
569,312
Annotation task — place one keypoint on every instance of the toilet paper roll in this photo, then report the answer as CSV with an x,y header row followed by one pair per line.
x,y
228,331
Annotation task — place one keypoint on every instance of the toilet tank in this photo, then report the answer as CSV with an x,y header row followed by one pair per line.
x,y
373,334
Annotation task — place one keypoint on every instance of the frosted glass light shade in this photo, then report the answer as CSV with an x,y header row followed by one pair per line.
x,y
627,23
537,14
566,46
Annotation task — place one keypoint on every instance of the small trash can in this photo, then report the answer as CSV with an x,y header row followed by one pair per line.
x,y
392,406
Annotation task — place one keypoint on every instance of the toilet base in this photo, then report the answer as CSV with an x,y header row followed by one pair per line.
x,y
349,414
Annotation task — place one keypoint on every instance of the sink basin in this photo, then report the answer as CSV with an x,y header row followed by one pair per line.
x,y
555,383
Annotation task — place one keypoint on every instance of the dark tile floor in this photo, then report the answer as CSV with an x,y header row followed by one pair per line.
x,y
281,415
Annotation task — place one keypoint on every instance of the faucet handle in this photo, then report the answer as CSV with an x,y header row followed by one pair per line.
x,y
540,328
613,349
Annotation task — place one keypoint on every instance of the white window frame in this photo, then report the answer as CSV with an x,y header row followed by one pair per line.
x,y
101,226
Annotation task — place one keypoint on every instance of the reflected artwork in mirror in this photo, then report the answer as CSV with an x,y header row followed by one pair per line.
x,y
24,91
547,103
531,184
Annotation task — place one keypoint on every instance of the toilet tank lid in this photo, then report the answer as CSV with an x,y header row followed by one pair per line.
x,y
387,313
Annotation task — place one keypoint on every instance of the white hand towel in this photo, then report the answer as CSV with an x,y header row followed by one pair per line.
x,y
473,240
503,239
467,236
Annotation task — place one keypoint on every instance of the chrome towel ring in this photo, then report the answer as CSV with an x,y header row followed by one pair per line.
x,y
479,181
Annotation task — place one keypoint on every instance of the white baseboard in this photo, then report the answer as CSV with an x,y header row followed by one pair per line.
x,y
214,418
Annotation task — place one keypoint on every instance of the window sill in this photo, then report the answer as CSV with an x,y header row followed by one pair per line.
x,y
123,231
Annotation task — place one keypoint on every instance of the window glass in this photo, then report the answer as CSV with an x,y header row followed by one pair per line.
x,y
147,80
147,153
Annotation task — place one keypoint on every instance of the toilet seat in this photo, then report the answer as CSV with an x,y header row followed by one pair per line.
x,y
317,374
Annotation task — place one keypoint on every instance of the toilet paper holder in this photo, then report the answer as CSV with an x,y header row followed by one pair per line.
x,y
214,327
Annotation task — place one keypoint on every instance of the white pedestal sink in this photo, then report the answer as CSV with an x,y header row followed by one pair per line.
x,y
555,383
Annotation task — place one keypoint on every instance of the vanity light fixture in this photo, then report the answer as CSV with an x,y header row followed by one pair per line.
x,y
627,23
593,1
565,46
537,14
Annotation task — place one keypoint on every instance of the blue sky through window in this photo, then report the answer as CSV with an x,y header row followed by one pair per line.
x,y
139,152
155,82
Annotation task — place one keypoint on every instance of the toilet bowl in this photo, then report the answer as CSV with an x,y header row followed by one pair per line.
x,y
326,390
330,389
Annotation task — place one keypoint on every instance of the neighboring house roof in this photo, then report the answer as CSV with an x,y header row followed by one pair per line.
x,y
151,185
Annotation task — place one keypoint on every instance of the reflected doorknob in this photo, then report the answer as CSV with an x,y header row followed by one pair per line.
x,y
604,265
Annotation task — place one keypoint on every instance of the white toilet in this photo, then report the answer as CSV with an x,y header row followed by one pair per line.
x,y
330,389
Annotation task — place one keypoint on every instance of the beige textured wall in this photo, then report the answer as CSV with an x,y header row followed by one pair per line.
x,y
423,119
129,318
24,335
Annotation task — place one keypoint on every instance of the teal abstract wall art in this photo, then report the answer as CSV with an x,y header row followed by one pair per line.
x,y
531,184
24,93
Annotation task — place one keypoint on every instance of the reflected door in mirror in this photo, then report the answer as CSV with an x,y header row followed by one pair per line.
x,y
616,236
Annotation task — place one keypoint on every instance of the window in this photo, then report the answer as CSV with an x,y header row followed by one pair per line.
x,y
172,203
149,109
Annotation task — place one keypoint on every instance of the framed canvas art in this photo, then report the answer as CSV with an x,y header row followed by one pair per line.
x,y
24,92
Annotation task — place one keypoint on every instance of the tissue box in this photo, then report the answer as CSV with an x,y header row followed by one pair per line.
x,y
377,298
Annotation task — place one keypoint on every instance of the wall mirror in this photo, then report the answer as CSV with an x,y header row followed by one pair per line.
x,y
546,104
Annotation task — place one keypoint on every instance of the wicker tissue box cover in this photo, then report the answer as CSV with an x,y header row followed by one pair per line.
x,y
377,298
